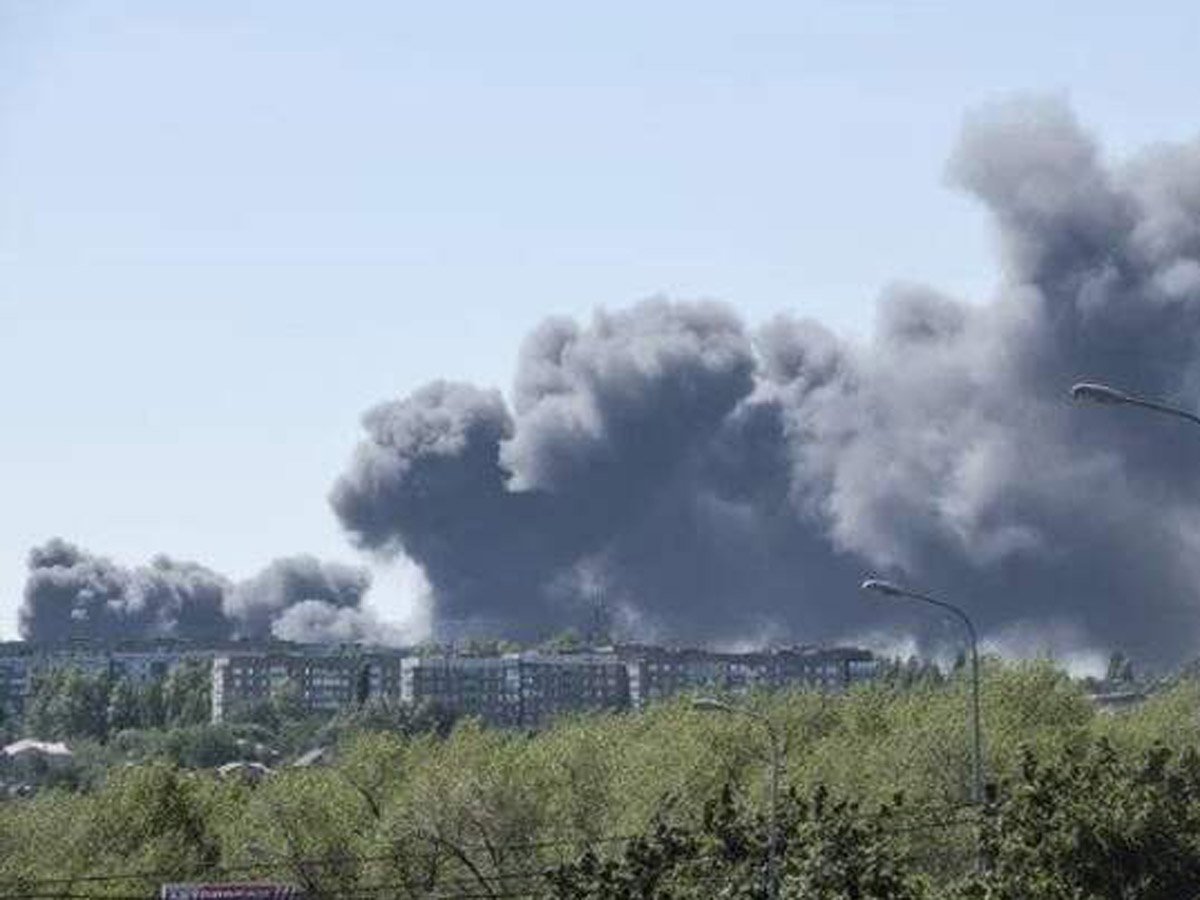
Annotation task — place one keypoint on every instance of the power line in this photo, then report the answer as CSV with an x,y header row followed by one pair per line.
x,y
884,817
312,862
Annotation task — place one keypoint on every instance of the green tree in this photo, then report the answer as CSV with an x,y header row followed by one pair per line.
x,y
187,695
1085,801
1093,824
826,850
152,705
124,707
287,700
68,704
568,641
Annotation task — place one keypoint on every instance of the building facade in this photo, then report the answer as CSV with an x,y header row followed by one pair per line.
x,y
524,690
518,690
21,664
14,679
318,680
487,687
656,673
553,685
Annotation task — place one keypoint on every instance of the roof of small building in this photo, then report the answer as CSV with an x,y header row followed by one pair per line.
x,y
244,767
317,756
43,748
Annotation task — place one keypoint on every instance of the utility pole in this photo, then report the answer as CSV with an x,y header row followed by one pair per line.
x,y
774,775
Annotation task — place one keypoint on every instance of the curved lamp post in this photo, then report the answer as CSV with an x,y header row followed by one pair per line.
x,y
710,704
887,589
1092,392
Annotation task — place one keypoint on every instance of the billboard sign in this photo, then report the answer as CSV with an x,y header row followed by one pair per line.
x,y
231,891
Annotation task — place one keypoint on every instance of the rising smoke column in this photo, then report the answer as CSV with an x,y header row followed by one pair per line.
x,y
720,483
504,519
259,604
73,594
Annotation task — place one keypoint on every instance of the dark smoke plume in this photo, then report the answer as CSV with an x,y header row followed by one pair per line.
x,y
710,482
259,604
71,594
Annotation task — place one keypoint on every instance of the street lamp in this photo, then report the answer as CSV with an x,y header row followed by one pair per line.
x,y
887,589
711,704
1090,392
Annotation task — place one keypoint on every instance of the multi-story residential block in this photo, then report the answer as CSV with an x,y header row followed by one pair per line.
x,y
658,672
148,664
556,684
488,687
322,679
525,690
21,663
655,673
517,689
14,679
830,668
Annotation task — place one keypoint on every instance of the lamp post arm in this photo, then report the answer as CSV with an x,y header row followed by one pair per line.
x,y
1103,393
1164,408
950,608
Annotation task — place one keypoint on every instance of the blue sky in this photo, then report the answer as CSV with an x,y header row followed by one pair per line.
x,y
228,228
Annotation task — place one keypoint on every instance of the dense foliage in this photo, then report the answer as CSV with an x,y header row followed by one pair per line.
x,y
69,703
669,803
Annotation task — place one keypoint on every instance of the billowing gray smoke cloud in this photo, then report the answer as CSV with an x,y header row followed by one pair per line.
x,y
72,594
260,603
312,621
716,483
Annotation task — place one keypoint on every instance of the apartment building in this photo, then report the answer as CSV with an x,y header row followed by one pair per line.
x,y
321,679
656,673
14,679
553,685
831,669
327,677
140,661
524,690
531,689
520,690
487,687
